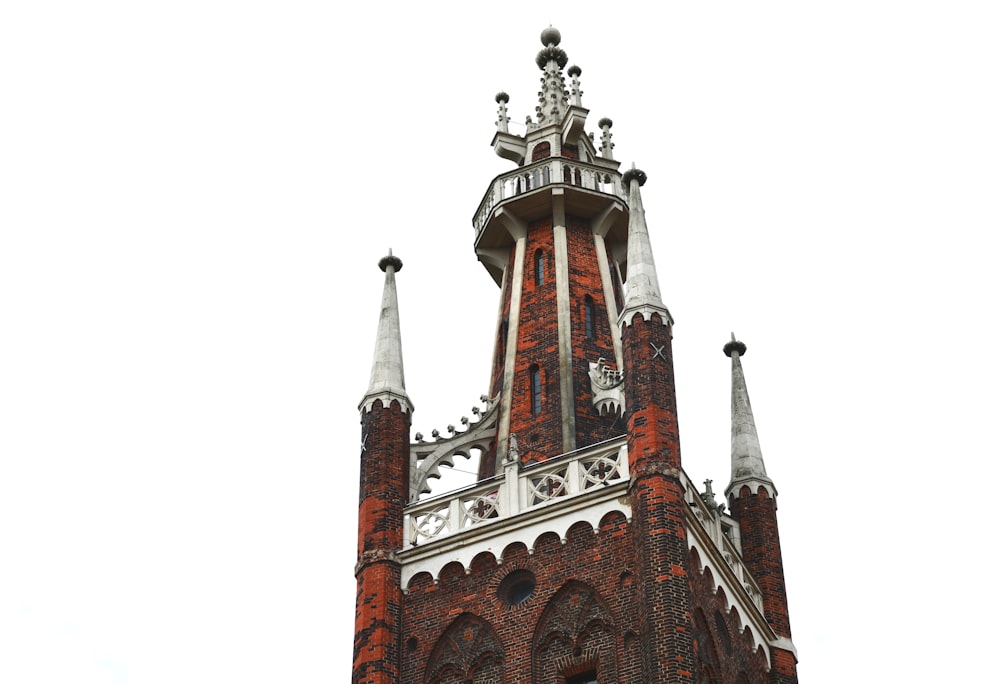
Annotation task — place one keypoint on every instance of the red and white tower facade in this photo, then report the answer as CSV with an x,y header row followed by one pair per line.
x,y
584,553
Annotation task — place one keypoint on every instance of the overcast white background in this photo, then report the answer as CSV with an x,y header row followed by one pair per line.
x,y
193,200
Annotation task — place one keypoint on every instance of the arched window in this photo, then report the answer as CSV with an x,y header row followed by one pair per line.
x,y
588,317
535,375
539,267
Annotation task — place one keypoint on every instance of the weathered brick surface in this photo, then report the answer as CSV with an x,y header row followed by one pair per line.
x,y
581,616
384,482
539,434
783,668
757,514
724,649
585,281
758,517
657,503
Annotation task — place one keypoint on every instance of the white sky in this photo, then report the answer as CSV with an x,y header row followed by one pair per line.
x,y
193,200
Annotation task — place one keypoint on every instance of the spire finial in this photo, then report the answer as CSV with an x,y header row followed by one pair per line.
x,y
642,287
734,345
387,381
551,36
747,460
553,97
390,260
502,99
606,144
576,95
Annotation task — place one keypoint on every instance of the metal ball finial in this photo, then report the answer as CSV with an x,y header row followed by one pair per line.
x,y
734,345
390,260
636,174
551,36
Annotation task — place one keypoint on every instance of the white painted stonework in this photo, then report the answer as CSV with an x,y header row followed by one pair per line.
x,y
518,506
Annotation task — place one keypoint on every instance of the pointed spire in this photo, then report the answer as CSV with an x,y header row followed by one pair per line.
x,y
747,460
387,364
642,288
553,97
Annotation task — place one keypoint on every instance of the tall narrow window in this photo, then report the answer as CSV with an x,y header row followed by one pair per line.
x,y
536,389
588,317
539,267
588,678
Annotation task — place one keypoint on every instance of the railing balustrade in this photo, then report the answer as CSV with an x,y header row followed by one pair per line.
x,y
519,489
524,488
547,172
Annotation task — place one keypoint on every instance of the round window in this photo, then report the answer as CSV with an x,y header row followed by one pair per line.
x,y
517,587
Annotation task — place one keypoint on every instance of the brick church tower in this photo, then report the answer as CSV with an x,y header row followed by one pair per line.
x,y
584,553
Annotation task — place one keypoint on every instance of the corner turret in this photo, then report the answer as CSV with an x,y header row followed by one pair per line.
x,y
385,464
753,502
656,491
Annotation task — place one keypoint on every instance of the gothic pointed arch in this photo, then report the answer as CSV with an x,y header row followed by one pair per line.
x,y
469,651
706,652
576,633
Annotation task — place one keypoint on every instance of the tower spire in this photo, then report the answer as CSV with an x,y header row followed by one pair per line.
x,y
387,381
747,460
642,288
753,502
553,97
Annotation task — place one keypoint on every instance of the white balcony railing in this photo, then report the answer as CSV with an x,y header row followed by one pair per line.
x,y
524,489
549,171
520,489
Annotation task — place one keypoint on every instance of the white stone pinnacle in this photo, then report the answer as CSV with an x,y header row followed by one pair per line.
x,y
642,287
387,381
747,459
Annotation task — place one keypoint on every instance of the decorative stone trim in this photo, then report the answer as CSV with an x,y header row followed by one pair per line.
x,y
519,506
426,458
607,387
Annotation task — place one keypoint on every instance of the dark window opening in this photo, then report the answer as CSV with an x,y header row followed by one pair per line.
x,y
536,389
585,678
588,317
517,587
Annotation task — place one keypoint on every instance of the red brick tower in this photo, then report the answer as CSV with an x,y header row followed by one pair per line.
x,y
385,445
583,553
753,501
